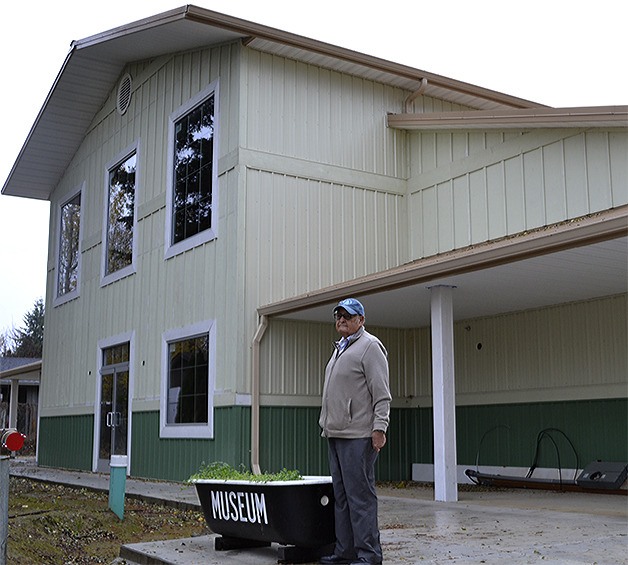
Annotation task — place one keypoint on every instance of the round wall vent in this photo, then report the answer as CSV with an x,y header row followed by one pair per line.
x,y
124,93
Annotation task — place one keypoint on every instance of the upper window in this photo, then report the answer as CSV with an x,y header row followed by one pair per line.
x,y
69,254
120,217
187,389
192,173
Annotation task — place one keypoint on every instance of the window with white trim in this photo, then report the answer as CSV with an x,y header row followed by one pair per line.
x,y
186,407
120,216
68,251
192,173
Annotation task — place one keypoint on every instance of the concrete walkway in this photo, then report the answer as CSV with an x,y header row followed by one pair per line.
x,y
497,526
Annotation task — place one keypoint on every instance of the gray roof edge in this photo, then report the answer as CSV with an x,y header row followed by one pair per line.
x,y
6,187
13,363
207,17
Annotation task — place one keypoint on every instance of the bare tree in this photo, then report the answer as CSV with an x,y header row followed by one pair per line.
x,y
5,343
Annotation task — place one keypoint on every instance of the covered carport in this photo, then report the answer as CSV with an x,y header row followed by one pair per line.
x,y
567,262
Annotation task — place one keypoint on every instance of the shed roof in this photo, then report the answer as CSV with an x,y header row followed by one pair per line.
x,y
7,363
17,364
95,63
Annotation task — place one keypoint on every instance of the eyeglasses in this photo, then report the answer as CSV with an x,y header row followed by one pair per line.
x,y
345,315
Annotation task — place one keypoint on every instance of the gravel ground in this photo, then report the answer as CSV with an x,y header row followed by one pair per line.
x,y
53,524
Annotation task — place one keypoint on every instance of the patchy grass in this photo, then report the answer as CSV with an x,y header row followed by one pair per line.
x,y
53,524
225,472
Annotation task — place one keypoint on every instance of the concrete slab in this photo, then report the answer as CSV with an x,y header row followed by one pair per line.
x,y
417,531
493,526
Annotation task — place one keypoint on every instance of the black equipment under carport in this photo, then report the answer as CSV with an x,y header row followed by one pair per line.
x,y
603,475
597,477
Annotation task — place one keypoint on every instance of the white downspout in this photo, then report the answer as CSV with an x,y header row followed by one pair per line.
x,y
255,394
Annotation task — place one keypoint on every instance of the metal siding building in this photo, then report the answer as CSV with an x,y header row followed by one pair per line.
x,y
326,189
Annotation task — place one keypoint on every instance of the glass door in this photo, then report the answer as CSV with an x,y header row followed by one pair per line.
x,y
114,405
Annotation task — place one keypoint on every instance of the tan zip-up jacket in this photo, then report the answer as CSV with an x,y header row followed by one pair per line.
x,y
356,392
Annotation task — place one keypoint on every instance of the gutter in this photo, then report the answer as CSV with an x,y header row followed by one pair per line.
x,y
255,394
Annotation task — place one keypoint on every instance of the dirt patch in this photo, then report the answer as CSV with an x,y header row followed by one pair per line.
x,y
53,524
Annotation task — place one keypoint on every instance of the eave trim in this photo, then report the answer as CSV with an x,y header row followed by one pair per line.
x,y
252,29
577,117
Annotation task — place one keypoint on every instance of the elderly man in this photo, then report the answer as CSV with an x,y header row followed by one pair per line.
x,y
354,418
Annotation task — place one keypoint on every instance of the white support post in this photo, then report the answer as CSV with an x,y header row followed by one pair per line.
x,y
443,394
15,385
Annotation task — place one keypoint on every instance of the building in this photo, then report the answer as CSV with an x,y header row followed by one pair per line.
x,y
217,185
19,396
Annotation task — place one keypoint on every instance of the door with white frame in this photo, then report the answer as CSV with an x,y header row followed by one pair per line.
x,y
113,409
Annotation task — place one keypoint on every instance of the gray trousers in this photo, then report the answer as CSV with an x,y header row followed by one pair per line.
x,y
352,466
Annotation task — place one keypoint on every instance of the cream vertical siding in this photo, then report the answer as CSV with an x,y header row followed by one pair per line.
x,y
567,352
564,352
312,191
322,116
303,234
294,355
160,295
508,183
325,179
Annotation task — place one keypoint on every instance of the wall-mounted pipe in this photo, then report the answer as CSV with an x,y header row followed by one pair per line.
x,y
410,98
255,394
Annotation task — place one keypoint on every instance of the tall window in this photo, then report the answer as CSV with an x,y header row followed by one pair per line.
x,y
186,403
192,200
120,215
69,252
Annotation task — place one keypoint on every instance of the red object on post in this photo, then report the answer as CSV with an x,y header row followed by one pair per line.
x,y
11,439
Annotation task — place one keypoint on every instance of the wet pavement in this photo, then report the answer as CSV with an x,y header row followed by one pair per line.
x,y
494,526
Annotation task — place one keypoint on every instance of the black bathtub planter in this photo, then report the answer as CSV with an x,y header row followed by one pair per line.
x,y
255,510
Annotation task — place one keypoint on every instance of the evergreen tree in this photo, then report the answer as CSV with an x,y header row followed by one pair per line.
x,y
29,340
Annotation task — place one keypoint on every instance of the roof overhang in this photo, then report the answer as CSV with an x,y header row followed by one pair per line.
x,y
525,118
29,372
571,261
94,64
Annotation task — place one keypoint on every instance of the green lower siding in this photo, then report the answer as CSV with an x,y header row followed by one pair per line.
x,y
300,445
177,459
66,442
290,437
596,428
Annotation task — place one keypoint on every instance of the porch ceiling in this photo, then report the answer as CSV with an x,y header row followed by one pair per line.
x,y
581,273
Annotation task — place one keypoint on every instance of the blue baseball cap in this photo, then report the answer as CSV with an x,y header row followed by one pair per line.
x,y
351,305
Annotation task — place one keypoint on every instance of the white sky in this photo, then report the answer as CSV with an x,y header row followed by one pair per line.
x,y
555,52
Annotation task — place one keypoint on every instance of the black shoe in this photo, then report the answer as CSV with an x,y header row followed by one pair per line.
x,y
361,561
333,560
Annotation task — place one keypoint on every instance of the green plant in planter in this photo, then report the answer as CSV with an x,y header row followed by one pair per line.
x,y
221,471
